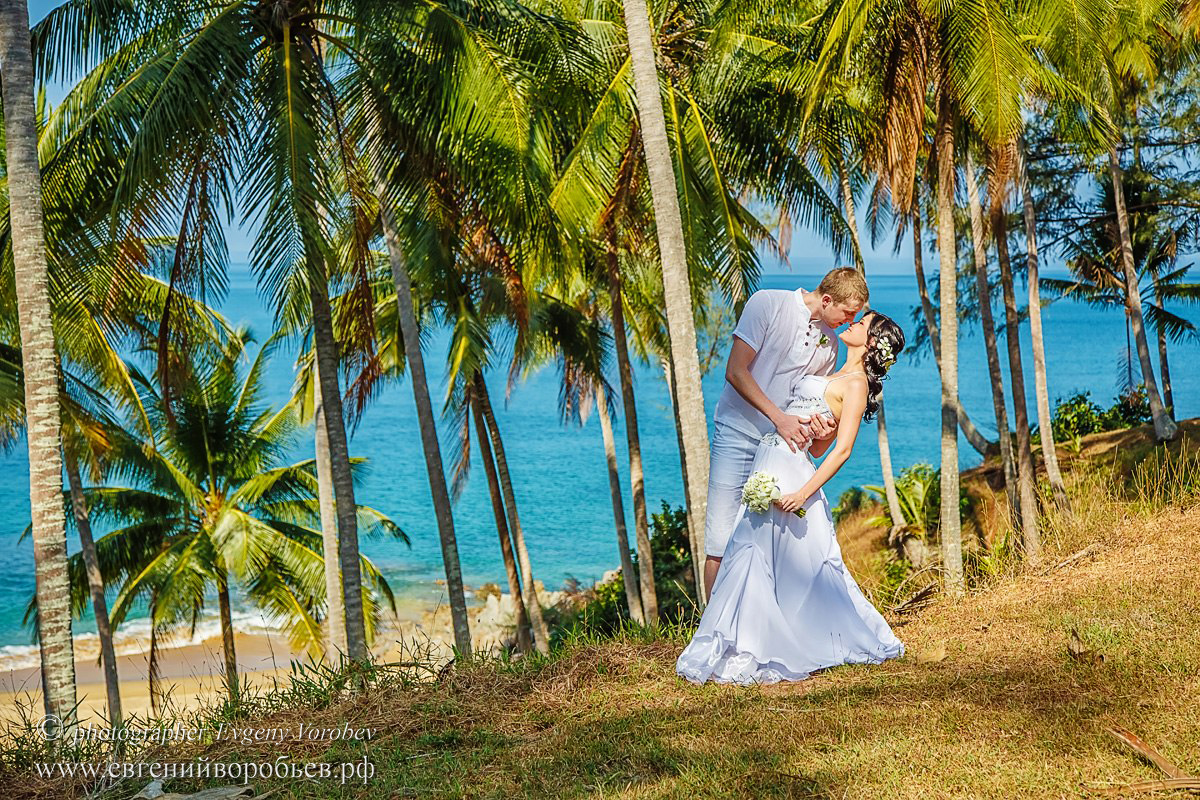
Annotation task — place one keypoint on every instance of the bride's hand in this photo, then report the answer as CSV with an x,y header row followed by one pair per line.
x,y
793,430
791,501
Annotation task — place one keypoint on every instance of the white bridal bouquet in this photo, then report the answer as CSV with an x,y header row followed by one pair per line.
x,y
760,491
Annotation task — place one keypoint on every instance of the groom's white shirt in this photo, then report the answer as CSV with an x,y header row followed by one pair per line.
x,y
787,344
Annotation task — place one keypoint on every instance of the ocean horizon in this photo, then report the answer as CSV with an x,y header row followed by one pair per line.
x,y
559,469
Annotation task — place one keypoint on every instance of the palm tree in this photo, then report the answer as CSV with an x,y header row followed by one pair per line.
x,y
204,76
1164,427
929,316
524,633
632,596
411,338
102,292
677,292
948,295
443,95
1098,279
309,386
730,156
39,362
474,272
212,506
1041,389
976,64
648,594
885,450
1169,287
983,289
575,337
1000,160
79,509
1133,41
541,631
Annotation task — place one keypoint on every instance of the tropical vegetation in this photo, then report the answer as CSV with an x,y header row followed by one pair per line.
x,y
584,184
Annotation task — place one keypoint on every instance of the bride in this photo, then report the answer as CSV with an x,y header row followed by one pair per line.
x,y
784,605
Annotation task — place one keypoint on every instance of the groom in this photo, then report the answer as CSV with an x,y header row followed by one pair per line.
x,y
780,336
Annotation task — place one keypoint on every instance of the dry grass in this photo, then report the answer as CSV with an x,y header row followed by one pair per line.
x,y
987,702
1006,713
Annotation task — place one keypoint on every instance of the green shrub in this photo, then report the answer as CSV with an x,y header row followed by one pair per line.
x,y
1129,410
856,498
674,580
1078,415
607,611
919,488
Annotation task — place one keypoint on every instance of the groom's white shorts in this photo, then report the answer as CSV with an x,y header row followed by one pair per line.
x,y
732,455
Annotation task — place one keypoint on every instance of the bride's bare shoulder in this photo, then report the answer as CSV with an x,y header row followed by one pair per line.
x,y
852,386
853,382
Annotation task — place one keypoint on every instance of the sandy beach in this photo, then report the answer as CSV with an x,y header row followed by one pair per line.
x,y
191,674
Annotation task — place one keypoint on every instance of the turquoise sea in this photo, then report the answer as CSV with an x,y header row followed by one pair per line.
x,y
559,470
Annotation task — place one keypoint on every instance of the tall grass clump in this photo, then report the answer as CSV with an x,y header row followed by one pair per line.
x,y
1166,478
1107,497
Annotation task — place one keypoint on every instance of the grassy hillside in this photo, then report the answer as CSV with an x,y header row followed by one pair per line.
x,y
988,702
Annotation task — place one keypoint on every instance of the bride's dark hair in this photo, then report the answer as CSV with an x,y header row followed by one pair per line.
x,y
885,340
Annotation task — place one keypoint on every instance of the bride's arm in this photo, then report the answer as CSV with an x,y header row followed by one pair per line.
x,y
854,403
820,447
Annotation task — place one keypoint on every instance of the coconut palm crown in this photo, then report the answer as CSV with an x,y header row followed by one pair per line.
x,y
215,504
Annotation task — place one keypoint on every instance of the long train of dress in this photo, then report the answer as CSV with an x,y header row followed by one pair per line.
x,y
783,604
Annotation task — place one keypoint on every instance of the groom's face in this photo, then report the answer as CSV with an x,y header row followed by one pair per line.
x,y
835,314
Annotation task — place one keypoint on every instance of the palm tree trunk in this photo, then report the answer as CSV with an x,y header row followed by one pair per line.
x,y
951,522
697,564
1164,369
1040,383
885,450
641,525
614,489
1164,427
889,479
339,457
1129,384
335,609
411,334
976,439
43,426
153,675
979,244
524,636
1026,474
851,217
677,292
541,633
87,547
227,638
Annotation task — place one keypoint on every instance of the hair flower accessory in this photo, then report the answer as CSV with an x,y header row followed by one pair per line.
x,y
885,347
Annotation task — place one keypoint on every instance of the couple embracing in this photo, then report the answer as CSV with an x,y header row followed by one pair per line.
x,y
781,602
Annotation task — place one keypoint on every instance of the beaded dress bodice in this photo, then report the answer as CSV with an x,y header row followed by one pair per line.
x,y
808,397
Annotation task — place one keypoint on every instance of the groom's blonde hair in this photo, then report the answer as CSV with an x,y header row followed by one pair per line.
x,y
845,285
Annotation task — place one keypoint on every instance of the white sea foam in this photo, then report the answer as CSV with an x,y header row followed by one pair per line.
x,y
133,638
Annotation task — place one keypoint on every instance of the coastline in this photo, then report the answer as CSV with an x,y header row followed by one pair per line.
x,y
190,671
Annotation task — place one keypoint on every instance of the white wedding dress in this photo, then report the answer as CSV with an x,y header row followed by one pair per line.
x,y
783,604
